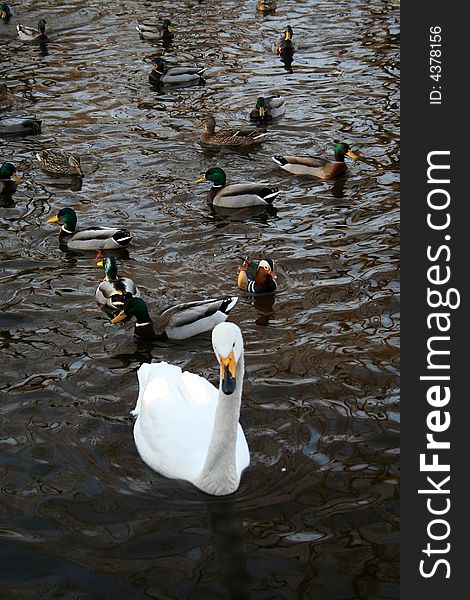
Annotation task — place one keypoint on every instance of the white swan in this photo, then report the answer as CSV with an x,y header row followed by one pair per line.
x,y
186,428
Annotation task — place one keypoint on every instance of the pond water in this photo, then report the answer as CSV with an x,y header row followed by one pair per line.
x,y
316,514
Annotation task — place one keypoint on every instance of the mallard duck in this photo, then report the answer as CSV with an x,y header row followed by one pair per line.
x,y
285,45
9,180
236,195
257,276
96,238
6,11
229,137
19,125
316,166
178,322
268,108
59,162
113,290
162,74
29,34
266,6
188,429
162,32
6,97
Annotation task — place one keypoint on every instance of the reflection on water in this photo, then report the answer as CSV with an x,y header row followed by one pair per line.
x,y
316,515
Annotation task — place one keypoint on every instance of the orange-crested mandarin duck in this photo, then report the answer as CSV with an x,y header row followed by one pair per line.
x,y
257,277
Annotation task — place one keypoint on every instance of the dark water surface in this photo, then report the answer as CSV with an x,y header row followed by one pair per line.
x,y
316,515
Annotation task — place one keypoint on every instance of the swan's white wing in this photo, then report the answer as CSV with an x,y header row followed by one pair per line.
x,y
243,452
175,416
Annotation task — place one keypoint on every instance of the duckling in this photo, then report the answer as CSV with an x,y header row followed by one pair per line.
x,y
59,162
113,290
267,109
316,166
162,74
238,195
9,180
6,11
162,32
266,6
6,97
93,238
178,322
285,46
257,276
29,34
229,137
19,125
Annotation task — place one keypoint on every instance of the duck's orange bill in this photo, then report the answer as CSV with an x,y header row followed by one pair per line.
x,y
351,154
120,317
16,178
200,180
99,264
53,219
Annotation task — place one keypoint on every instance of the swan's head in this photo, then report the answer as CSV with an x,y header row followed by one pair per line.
x,y
227,342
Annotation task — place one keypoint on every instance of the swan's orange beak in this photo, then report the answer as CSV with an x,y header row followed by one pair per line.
x,y
228,370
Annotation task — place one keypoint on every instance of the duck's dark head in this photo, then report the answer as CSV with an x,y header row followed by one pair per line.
x,y
110,267
8,171
68,218
342,150
261,106
159,65
216,175
133,307
167,26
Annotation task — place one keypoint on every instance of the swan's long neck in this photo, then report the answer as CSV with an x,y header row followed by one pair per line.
x,y
219,475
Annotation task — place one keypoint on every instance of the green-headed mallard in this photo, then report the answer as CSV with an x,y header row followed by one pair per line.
x,y
162,74
188,429
59,162
6,11
8,178
148,31
285,46
316,166
257,276
113,290
93,238
266,6
29,34
178,322
238,195
19,125
229,137
268,108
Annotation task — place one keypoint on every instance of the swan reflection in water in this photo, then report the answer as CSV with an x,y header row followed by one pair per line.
x,y
224,526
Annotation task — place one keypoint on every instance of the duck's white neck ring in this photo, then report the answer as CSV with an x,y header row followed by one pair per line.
x,y
66,230
142,324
